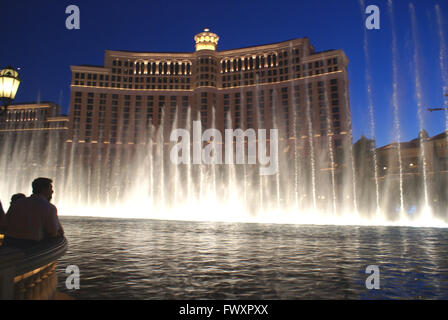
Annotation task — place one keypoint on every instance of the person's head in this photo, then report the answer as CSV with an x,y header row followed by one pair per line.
x,y
43,187
16,197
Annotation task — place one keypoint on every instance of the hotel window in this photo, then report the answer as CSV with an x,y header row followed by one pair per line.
x,y
184,101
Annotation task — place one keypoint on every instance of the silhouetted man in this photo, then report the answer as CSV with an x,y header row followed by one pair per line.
x,y
14,198
34,218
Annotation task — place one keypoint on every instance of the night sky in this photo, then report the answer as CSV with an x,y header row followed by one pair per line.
x,y
35,39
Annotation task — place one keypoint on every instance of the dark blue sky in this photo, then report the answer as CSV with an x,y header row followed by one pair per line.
x,y
37,41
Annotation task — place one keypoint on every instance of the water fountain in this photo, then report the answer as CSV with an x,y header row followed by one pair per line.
x,y
395,104
139,181
368,79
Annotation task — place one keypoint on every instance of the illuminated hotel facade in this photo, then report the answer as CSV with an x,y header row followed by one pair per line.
x,y
286,85
29,118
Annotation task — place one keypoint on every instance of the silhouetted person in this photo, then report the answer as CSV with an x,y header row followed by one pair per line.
x,y
16,197
34,218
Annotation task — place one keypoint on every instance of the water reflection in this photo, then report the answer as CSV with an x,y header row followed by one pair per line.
x,y
153,259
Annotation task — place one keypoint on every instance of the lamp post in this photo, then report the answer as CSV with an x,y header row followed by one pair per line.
x,y
9,83
438,109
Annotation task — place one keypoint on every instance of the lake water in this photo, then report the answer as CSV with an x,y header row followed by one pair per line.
x,y
154,259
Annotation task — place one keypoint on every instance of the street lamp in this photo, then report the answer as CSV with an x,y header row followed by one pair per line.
x,y
9,83
438,109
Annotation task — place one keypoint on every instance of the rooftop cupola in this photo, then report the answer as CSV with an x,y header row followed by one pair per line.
x,y
206,40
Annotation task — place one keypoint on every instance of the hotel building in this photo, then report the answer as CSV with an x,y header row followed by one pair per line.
x,y
32,137
285,85
33,117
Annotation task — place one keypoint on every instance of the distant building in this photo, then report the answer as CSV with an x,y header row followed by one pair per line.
x,y
435,151
286,85
416,186
32,117
32,135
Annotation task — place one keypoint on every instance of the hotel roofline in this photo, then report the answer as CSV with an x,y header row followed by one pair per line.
x,y
281,45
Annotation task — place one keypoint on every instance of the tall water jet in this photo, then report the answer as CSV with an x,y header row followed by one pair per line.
x,y
351,159
395,105
243,127
330,133
160,148
260,125
197,132
189,168
231,174
213,173
311,144
149,160
368,79
419,96
175,167
294,113
275,127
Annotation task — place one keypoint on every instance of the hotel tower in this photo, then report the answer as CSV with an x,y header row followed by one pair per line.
x,y
284,85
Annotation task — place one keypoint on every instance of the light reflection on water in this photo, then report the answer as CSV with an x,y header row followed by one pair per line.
x,y
153,259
